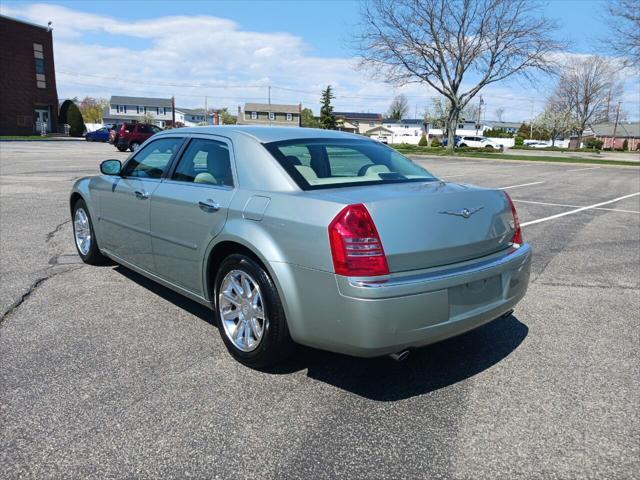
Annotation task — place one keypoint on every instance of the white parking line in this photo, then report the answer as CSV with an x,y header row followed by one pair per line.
x,y
575,206
521,185
453,176
571,212
582,169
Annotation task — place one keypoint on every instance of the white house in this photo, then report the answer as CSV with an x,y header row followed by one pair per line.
x,y
133,109
408,130
189,117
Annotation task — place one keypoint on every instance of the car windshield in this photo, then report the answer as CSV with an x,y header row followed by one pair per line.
x,y
332,163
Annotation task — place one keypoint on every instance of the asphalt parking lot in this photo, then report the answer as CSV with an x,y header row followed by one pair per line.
x,y
107,375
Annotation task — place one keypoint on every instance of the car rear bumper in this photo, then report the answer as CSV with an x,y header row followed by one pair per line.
x,y
370,317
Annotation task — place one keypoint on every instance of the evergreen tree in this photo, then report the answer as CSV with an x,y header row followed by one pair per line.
x,y
75,121
327,119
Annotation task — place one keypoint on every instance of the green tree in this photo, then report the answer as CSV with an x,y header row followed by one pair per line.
x,y
75,121
91,109
308,120
226,118
423,141
64,108
327,118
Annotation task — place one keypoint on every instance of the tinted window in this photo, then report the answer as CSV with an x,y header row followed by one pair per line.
x,y
331,163
144,129
152,160
205,162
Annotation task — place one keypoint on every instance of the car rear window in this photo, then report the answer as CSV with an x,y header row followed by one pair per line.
x,y
332,163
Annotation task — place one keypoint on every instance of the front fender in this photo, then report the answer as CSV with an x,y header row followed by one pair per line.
x,y
82,188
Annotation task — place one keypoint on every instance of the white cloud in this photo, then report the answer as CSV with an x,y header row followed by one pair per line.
x,y
159,56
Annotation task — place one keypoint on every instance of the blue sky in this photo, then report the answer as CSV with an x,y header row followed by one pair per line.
x,y
158,48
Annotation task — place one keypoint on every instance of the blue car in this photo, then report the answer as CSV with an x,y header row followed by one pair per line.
x,y
100,135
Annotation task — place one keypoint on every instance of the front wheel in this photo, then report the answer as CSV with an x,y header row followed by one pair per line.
x,y
250,316
84,235
121,148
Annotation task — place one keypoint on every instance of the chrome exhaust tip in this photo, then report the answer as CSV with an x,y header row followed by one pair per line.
x,y
399,356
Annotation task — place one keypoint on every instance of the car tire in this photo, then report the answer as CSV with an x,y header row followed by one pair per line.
x,y
134,146
239,273
121,148
462,145
84,235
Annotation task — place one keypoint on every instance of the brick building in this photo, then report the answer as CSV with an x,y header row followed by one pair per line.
x,y
28,95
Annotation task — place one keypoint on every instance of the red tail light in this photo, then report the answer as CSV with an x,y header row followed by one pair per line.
x,y
355,244
517,231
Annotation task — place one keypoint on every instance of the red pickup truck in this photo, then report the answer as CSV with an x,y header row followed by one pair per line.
x,y
132,135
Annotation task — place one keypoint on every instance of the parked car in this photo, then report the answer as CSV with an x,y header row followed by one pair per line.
x,y
479,142
456,141
536,144
132,135
306,236
100,135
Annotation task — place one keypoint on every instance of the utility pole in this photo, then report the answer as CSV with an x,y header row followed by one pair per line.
x,y
206,116
615,127
531,120
173,112
479,110
269,105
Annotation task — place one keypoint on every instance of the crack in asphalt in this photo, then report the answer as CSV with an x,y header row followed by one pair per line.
x,y
53,232
48,274
32,288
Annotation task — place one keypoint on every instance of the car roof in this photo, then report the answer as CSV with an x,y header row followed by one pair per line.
x,y
264,134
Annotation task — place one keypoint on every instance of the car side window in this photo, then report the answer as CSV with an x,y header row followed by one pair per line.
x,y
205,162
152,160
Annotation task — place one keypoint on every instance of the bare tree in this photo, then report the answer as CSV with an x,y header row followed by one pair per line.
x,y
499,114
588,87
440,42
623,18
399,107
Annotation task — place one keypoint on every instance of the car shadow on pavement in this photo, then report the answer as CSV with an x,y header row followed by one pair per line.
x,y
425,370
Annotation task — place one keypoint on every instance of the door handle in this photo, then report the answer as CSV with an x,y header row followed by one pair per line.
x,y
142,195
209,205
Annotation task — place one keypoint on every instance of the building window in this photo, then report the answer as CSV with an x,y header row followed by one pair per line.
x,y
272,116
121,108
254,115
38,51
289,117
461,125
39,65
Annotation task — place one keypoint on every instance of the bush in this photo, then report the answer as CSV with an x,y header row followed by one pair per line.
x,y
625,145
593,143
75,121
519,141
435,142
423,141
64,108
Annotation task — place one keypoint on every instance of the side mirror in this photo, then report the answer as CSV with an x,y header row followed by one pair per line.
x,y
110,167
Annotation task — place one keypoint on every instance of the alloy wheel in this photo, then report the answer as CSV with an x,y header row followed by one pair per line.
x,y
242,310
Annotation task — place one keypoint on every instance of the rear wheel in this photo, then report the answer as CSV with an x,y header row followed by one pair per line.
x,y
84,235
250,315
121,148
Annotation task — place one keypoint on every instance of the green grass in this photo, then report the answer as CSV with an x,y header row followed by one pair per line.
x,y
23,137
441,152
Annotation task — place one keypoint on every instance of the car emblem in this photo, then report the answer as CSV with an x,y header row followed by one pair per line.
x,y
464,212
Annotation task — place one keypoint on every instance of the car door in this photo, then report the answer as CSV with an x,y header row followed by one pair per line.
x,y
189,208
124,204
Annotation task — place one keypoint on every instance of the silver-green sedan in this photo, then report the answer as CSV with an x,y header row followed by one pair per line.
x,y
315,237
